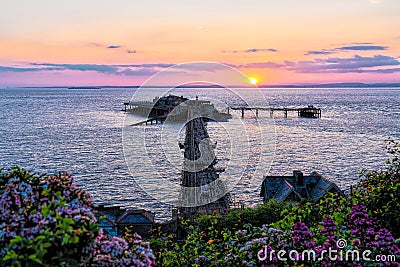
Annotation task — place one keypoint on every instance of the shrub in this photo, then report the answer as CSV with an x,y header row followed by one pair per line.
x,y
127,251
379,191
236,219
47,221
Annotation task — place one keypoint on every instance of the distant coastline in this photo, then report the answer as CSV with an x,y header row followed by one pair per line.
x,y
323,85
84,87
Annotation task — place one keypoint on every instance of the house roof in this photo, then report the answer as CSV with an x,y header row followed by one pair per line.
x,y
118,215
323,186
312,187
105,220
285,190
135,216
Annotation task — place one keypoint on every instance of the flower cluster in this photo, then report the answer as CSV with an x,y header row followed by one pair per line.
x,y
37,207
361,225
127,251
384,244
302,237
46,220
259,246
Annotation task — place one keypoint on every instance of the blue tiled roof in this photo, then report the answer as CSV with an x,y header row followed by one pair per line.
x,y
312,187
133,218
284,191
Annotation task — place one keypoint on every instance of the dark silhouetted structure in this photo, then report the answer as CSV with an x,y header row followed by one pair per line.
x,y
294,188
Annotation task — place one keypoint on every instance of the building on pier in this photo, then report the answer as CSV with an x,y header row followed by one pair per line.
x,y
174,107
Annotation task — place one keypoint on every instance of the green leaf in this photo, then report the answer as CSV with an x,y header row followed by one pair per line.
x,y
15,240
34,258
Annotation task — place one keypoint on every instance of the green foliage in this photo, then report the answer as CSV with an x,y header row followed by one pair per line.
x,y
331,204
47,221
265,213
166,249
236,219
379,190
232,239
215,239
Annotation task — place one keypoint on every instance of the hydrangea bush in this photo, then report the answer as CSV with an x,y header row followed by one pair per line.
x,y
46,220
258,246
127,251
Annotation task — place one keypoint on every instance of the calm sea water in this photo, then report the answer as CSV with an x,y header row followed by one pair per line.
x,y
48,129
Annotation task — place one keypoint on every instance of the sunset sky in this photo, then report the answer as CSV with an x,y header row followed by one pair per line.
x,y
124,42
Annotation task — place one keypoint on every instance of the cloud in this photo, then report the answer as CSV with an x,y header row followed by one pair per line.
x,y
138,72
114,46
19,69
230,51
201,67
256,50
122,69
262,65
148,65
355,64
363,48
362,43
320,52
382,71
251,50
81,67
95,44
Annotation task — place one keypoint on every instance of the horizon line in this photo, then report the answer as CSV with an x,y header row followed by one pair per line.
x,y
294,85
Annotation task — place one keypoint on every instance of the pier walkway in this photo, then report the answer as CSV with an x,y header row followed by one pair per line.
x,y
305,112
153,120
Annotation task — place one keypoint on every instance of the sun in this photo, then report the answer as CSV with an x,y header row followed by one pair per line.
x,y
253,81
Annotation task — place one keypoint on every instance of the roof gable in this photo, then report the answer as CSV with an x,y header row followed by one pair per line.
x,y
135,217
312,187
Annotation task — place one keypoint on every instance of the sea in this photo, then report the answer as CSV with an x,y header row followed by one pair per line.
x,y
86,132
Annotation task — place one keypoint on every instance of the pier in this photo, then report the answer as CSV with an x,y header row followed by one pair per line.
x,y
153,120
141,106
305,112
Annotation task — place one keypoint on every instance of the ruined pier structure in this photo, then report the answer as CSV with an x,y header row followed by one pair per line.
x,y
304,112
201,189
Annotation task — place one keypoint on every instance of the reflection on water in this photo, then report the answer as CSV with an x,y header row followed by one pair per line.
x,y
81,131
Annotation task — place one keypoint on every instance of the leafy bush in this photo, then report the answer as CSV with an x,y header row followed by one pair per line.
x,y
47,221
236,219
258,246
262,214
379,191
366,220
126,251
333,205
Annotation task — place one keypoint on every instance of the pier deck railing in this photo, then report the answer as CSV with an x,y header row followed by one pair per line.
x,y
308,112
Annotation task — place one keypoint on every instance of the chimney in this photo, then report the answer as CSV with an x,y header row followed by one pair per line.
x,y
298,178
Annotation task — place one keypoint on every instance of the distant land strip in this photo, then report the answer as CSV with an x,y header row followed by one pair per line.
x,y
325,85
